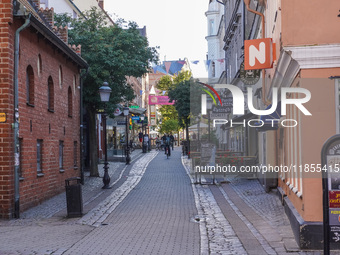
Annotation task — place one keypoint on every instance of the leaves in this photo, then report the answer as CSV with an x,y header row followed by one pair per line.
x,y
112,52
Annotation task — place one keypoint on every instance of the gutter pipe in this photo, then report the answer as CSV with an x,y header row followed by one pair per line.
x,y
16,117
247,3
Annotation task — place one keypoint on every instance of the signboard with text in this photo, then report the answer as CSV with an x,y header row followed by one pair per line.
x,y
160,100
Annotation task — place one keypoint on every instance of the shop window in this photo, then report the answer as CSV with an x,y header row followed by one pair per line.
x,y
50,94
30,86
70,103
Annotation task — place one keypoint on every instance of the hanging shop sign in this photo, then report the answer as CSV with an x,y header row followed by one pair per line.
x,y
259,54
160,100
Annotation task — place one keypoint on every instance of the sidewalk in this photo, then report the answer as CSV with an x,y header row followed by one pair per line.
x,y
92,192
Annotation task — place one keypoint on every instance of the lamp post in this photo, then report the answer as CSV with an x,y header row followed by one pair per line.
x,y
142,119
126,114
105,92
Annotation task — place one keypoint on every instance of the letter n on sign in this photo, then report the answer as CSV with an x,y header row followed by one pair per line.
x,y
258,54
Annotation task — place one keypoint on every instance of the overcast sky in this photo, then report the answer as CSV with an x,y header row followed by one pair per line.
x,y
179,27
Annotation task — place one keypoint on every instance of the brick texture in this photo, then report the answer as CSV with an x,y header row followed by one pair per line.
x,y
36,121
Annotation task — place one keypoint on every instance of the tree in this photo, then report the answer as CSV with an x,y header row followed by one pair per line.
x,y
112,52
169,126
187,101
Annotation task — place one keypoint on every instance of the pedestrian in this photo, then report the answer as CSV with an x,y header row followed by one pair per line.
x,y
146,141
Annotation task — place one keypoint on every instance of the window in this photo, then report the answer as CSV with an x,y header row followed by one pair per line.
x,y
39,64
30,86
61,155
75,154
39,156
337,105
213,70
50,94
60,76
74,83
211,27
69,96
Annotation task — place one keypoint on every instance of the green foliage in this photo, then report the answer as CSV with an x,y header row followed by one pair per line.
x,y
168,112
112,54
167,83
169,126
187,100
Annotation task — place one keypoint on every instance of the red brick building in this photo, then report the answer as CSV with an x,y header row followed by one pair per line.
x,y
39,106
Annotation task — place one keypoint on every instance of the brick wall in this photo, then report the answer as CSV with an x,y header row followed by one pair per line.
x,y
6,106
36,121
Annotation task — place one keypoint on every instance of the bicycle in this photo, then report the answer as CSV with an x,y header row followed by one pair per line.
x,y
167,151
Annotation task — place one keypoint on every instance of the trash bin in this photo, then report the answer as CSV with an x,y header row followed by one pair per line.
x,y
74,197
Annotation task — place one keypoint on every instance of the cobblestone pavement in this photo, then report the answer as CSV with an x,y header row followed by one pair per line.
x,y
257,219
156,217
154,207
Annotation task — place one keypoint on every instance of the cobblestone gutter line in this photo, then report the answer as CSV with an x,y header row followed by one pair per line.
x,y
217,236
252,229
98,214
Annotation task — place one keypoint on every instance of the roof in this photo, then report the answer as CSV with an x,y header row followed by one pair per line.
x,y
24,9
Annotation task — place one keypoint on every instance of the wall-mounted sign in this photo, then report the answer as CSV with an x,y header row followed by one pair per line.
x,y
249,77
160,100
3,117
259,54
135,117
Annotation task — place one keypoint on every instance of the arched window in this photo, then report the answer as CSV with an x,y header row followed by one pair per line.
x,y
69,96
30,86
50,94
60,76
39,64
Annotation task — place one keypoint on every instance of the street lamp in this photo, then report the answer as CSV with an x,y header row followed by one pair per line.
x,y
126,114
142,119
105,92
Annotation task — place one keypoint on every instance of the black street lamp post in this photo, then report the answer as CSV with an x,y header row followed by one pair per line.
x,y
105,92
143,146
126,114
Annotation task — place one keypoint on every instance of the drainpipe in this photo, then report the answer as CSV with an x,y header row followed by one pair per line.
x,y
82,77
16,117
264,99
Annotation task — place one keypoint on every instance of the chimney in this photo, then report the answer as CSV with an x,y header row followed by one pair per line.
x,y
101,4
48,14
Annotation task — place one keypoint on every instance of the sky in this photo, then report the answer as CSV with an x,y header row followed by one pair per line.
x,y
179,27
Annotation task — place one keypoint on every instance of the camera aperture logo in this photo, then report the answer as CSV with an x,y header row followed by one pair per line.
x,y
238,107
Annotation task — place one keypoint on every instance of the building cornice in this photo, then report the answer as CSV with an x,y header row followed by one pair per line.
x,y
316,56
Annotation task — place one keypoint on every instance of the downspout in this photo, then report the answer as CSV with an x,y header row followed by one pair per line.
x,y
247,3
16,118
82,128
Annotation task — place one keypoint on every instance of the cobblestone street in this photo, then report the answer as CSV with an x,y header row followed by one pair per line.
x,y
154,207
